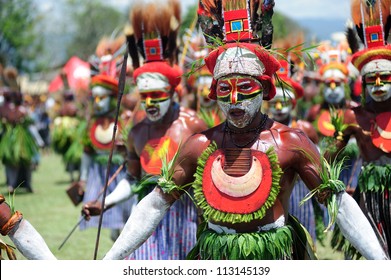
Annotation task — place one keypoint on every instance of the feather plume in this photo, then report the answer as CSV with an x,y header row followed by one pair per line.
x,y
371,12
261,12
210,19
132,46
351,37
156,20
135,18
108,45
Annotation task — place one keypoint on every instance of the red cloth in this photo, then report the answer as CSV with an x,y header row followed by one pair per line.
x,y
172,73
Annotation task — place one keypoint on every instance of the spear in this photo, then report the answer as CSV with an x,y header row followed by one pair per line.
x,y
121,86
83,217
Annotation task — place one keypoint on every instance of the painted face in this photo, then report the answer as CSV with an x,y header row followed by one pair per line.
x,y
101,100
240,98
281,105
334,90
203,85
378,85
155,104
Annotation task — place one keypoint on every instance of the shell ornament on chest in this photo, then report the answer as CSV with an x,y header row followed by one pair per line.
x,y
381,132
101,135
153,153
237,185
324,125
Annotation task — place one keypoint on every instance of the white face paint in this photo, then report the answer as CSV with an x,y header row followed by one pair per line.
x,y
239,98
281,105
334,86
334,92
102,99
379,93
378,85
241,114
156,111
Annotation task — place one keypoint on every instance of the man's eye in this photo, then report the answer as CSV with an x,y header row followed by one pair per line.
x,y
224,88
245,87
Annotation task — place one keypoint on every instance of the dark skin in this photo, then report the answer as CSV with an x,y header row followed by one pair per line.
x,y
304,126
363,116
13,111
178,123
308,129
285,141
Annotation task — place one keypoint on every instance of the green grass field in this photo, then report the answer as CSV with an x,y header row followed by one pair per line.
x,y
53,215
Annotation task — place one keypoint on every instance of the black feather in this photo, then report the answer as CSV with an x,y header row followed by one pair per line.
x,y
387,28
132,49
352,39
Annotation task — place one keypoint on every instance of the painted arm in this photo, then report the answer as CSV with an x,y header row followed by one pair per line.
x,y
29,242
142,222
357,229
351,220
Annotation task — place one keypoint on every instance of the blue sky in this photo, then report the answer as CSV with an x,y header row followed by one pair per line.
x,y
320,17
296,9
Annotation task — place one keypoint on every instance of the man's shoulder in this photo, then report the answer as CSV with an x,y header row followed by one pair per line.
x,y
288,133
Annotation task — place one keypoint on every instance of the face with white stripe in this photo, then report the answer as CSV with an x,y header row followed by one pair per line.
x,y
281,105
155,104
378,85
334,90
155,95
101,100
239,98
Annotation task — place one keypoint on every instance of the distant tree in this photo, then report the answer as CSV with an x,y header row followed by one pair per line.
x,y
283,25
188,19
20,41
88,21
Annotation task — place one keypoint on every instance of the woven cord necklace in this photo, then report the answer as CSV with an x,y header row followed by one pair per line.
x,y
257,130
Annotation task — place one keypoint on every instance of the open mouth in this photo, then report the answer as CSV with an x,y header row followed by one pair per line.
x,y
378,93
236,113
152,111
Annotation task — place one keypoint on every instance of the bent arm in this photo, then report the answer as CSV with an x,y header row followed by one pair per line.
x,y
142,222
122,192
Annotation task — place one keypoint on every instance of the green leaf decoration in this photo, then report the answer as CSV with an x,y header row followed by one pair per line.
x,y
329,174
17,145
275,244
211,214
375,178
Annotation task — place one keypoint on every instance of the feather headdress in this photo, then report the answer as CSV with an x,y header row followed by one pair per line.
x,y
373,22
153,35
108,55
244,31
367,13
153,31
237,20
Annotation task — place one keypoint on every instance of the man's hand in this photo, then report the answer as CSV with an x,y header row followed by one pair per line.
x,y
92,208
5,211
